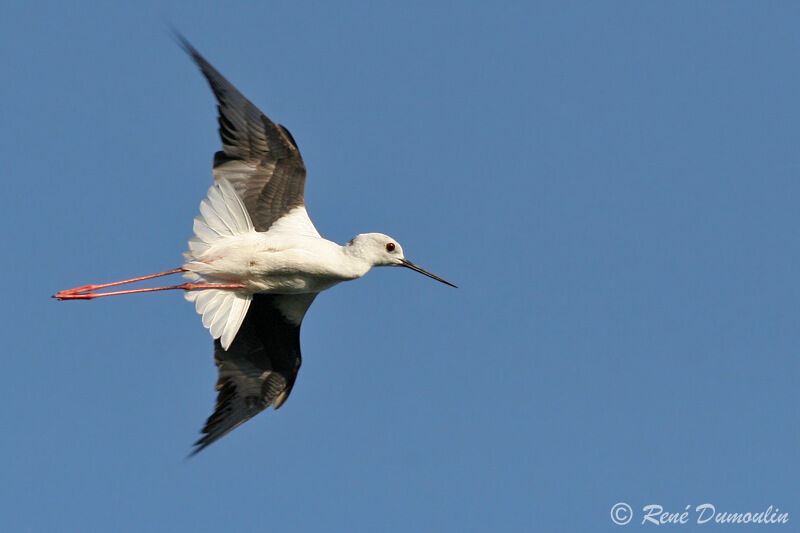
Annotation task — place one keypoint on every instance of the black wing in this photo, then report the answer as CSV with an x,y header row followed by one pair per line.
x,y
260,366
258,157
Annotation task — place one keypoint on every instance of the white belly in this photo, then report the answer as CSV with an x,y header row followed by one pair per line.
x,y
273,262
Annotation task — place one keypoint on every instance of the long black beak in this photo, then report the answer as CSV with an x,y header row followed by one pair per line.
x,y
408,264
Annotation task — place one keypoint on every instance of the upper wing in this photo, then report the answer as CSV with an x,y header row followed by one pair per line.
x,y
260,366
258,157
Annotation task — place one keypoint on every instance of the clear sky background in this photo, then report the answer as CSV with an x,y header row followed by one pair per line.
x,y
613,185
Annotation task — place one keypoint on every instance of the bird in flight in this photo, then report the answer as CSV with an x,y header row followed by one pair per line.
x,y
256,262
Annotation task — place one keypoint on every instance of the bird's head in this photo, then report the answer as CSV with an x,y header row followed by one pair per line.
x,y
381,250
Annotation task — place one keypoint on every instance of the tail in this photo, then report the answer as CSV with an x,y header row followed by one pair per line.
x,y
222,214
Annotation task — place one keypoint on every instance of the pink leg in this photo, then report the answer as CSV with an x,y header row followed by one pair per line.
x,y
66,295
89,288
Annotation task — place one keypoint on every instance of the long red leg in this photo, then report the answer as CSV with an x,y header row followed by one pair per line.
x,y
65,295
89,288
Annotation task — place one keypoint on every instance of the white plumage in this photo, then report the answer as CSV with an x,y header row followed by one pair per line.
x,y
256,262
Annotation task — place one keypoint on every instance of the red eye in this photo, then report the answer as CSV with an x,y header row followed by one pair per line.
x,y
390,247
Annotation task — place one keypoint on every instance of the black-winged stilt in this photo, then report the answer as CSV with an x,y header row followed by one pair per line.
x,y
256,261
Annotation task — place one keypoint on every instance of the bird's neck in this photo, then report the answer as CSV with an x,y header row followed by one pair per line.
x,y
355,259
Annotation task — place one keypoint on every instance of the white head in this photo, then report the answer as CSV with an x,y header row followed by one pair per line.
x,y
378,249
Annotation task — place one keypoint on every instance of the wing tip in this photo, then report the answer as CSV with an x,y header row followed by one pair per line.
x,y
200,445
205,67
182,41
212,434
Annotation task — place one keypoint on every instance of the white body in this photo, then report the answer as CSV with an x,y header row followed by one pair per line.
x,y
290,258
277,262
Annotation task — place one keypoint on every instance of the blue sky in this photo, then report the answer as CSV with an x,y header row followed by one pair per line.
x,y
613,186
